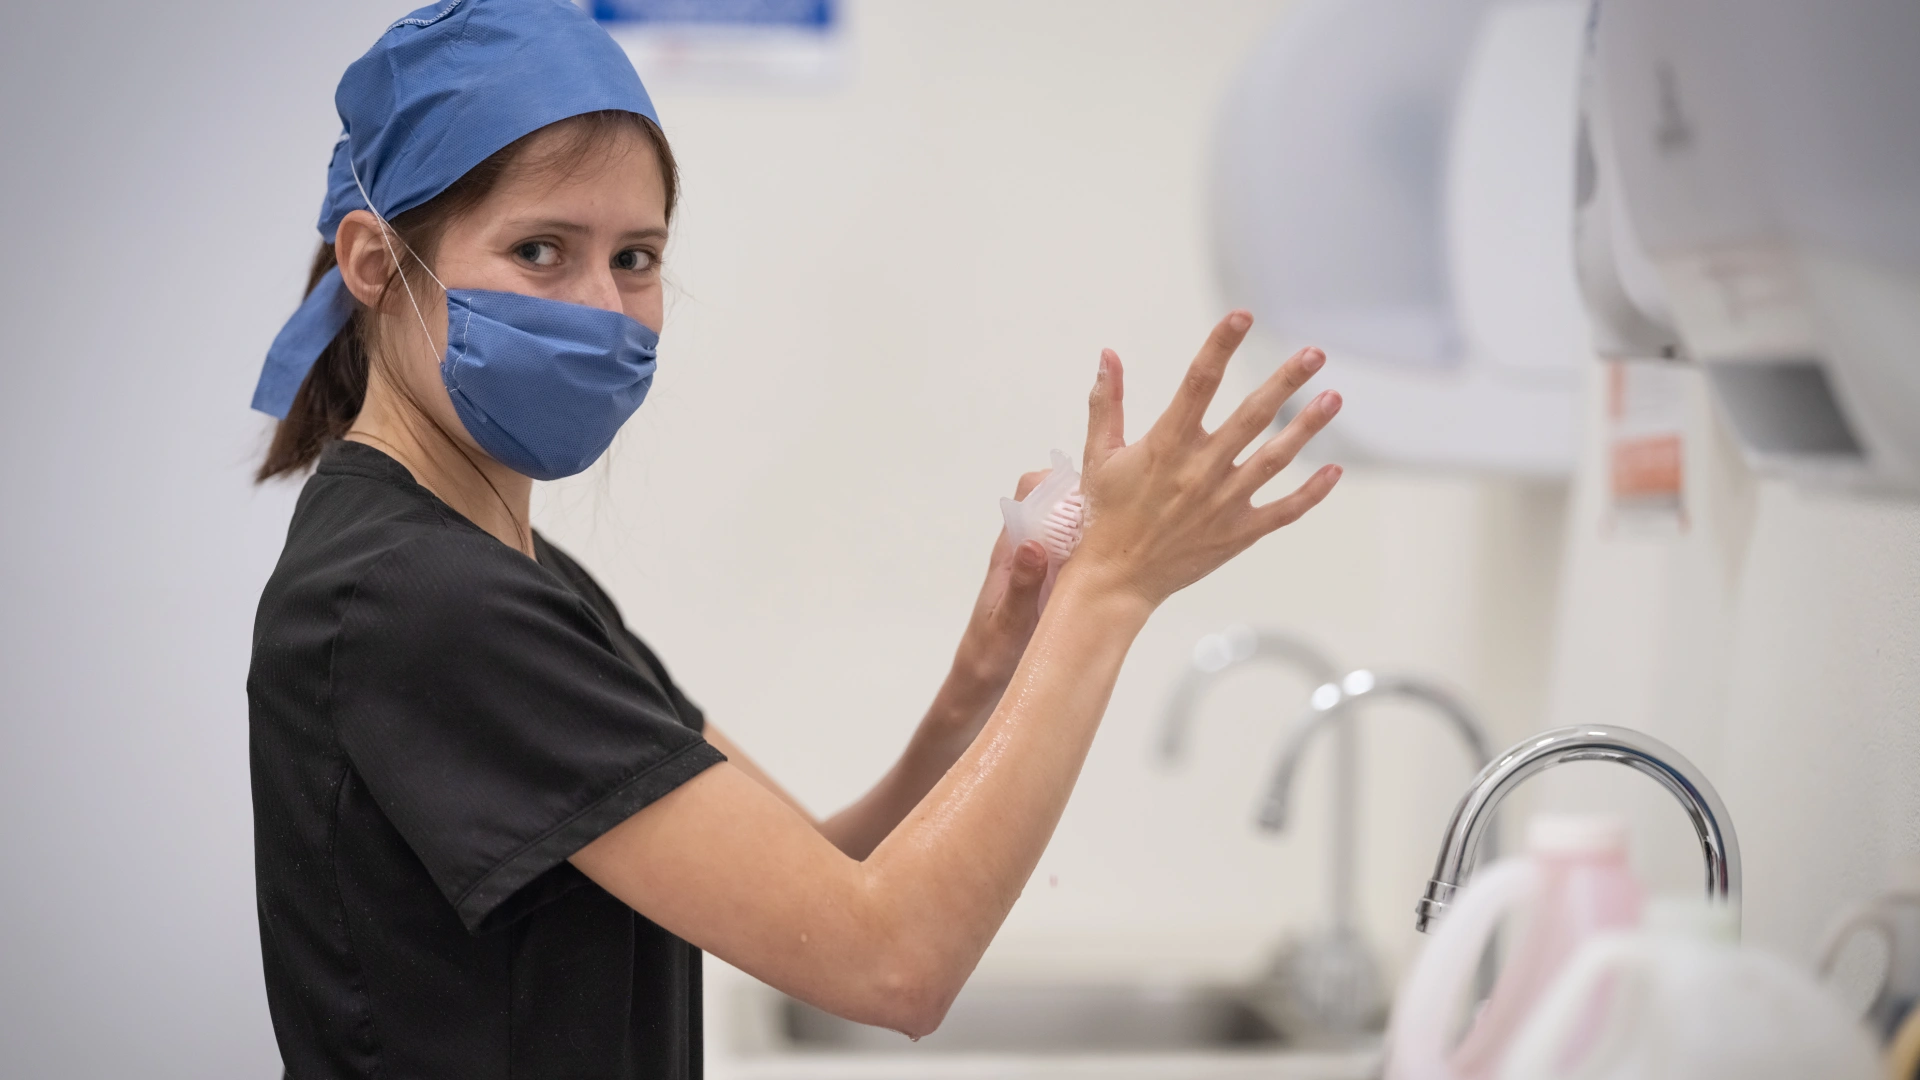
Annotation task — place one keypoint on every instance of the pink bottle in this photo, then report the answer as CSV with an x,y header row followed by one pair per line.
x,y
1571,885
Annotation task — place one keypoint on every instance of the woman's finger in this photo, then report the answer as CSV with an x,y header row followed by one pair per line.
x,y
1190,402
1019,609
1278,452
1106,419
1287,510
1256,413
1029,481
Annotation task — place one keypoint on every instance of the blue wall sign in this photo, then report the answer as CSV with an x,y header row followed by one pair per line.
x,y
815,15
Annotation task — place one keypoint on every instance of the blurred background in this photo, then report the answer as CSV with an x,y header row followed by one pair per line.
x,y
895,268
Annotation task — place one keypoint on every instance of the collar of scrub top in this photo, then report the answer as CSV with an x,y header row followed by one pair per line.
x,y
440,92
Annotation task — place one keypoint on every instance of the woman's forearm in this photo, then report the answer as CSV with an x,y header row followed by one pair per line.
x,y
960,707
1002,622
945,878
946,731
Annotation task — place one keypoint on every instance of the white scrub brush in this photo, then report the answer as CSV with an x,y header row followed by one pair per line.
x,y
1050,514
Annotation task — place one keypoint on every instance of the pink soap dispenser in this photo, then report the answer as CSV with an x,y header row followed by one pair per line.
x,y
1572,884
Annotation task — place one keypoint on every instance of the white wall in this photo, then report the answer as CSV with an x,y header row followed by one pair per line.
x,y
164,163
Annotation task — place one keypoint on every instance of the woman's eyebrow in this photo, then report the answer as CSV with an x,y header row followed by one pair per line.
x,y
574,228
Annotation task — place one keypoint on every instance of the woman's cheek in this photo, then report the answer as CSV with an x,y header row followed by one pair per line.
x,y
648,308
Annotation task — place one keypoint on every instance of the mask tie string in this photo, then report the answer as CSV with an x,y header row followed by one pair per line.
x,y
387,235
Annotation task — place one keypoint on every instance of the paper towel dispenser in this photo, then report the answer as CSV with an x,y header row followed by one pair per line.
x,y
1762,159
1392,182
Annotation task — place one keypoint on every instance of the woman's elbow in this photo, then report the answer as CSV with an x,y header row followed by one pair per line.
x,y
911,969
910,1000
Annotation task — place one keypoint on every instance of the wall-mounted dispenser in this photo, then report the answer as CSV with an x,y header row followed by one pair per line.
x,y
1626,302
1765,157
1392,180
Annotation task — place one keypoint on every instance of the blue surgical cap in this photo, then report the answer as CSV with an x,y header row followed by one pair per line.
x,y
441,91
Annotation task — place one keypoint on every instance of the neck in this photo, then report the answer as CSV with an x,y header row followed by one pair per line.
x,y
481,489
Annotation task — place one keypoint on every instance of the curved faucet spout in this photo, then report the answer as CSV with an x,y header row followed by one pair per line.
x,y
1331,703
1332,707
1216,654
1474,816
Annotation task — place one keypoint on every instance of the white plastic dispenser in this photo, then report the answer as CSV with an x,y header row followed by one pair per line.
x,y
1762,157
1681,1000
1392,183
1573,884
1626,302
1051,514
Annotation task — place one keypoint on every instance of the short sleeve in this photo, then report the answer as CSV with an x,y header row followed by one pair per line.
x,y
625,641
492,720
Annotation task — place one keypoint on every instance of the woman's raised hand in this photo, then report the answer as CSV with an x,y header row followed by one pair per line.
x,y
1165,511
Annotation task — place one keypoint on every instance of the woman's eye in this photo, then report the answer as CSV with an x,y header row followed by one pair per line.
x,y
538,252
633,259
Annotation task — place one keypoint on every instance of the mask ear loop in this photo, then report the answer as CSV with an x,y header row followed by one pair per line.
x,y
387,236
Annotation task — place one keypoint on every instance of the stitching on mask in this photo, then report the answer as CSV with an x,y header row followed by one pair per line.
x,y
466,330
452,363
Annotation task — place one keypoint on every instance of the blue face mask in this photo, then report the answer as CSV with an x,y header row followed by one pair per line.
x,y
543,385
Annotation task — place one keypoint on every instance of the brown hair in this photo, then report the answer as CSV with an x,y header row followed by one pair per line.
x,y
331,395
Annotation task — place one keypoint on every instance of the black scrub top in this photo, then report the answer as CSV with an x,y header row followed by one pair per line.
x,y
437,723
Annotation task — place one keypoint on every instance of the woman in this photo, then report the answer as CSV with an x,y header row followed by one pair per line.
x,y
492,834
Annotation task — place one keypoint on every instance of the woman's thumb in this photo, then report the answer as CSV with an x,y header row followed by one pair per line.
x,y
1106,424
1021,606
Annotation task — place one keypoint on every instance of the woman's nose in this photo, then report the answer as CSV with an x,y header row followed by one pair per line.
x,y
597,288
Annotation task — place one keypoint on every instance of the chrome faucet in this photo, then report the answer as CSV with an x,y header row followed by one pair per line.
x,y
1333,703
1324,989
1215,655
1473,818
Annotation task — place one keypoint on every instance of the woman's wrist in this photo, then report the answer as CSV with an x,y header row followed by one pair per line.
x,y
1093,585
973,686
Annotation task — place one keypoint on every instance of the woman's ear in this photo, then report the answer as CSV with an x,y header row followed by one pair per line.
x,y
366,262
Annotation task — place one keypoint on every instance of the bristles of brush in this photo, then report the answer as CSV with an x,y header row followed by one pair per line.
x,y
1060,532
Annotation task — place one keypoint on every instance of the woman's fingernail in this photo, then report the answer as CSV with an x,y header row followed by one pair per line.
x,y
1029,557
1239,320
1313,360
1328,401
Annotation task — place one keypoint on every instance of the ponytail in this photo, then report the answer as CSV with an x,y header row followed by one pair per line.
x,y
329,398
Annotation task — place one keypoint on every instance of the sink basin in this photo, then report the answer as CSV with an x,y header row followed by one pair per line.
x,y
1087,1019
